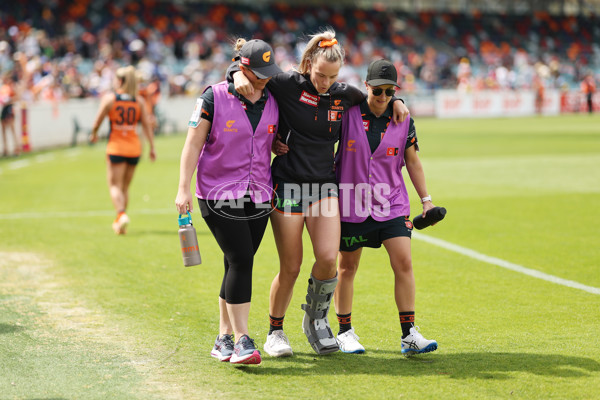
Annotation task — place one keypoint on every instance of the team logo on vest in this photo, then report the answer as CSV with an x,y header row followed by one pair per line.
x,y
392,151
231,197
229,125
350,144
266,56
366,124
309,99
271,129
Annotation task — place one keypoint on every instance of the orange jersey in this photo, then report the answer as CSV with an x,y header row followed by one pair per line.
x,y
124,116
7,93
588,86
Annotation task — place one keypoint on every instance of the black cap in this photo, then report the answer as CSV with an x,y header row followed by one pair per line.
x,y
382,72
258,56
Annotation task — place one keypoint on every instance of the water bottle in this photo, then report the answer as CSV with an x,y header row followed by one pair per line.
x,y
189,241
436,214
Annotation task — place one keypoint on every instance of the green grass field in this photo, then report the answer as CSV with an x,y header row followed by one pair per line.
x,y
85,314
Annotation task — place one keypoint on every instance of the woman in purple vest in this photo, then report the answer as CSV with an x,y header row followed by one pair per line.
x,y
229,139
374,203
311,105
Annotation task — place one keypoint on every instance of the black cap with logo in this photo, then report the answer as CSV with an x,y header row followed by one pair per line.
x,y
258,56
382,72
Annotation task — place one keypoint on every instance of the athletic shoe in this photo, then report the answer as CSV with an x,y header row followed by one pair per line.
x,y
223,348
277,344
348,342
415,343
245,352
120,224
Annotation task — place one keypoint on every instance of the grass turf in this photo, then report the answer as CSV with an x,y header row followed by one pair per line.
x,y
90,315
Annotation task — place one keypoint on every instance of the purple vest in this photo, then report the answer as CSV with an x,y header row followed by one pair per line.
x,y
236,159
371,184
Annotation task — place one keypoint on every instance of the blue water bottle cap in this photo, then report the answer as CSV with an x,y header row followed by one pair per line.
x,y
185,220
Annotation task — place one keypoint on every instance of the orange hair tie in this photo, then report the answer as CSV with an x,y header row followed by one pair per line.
x,y
327,43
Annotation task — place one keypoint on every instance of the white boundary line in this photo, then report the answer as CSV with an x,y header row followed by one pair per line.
x,y
416,235
79,214
40,158
504,264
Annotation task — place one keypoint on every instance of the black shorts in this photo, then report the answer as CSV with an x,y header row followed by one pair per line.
x,y
120,159
7,112
296,198
371,233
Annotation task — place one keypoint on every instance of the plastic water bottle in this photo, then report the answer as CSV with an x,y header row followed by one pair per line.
x,y
189,241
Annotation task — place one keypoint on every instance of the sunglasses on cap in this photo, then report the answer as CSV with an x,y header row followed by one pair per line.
x,y
378,91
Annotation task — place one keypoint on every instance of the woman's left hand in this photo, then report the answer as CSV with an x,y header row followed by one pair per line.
x,y
400,111
428,205
279,148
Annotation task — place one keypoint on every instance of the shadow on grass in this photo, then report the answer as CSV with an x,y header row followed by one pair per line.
x,y
457,366
10,328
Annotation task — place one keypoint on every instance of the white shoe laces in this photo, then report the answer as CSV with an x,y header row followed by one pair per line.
x,y
414,331
279,338
349,335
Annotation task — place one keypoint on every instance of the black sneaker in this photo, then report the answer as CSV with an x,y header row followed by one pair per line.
x,y
223,348
245,352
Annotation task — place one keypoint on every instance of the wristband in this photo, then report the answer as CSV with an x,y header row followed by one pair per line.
x,y
426,198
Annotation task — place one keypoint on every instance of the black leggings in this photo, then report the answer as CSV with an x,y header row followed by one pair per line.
x,y
239,238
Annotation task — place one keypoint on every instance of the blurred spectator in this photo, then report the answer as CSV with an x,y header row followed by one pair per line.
x,y
538,87
588,87
71,49
8,95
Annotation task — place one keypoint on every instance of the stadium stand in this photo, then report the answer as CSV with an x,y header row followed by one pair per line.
x,y
68,49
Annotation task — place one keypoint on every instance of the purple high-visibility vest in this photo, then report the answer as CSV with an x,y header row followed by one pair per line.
x,y
235,159
371,184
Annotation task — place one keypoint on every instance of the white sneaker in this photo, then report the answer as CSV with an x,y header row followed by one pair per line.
x,y
415,343
120,224
348,342
278,345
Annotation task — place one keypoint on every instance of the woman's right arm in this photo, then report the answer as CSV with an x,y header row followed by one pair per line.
x,y
105,104
196,137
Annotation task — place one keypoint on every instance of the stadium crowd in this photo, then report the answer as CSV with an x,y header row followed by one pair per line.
x,y
70,49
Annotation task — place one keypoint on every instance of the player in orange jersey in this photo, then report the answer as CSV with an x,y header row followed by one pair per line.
x,y
124,111
150,92
588,87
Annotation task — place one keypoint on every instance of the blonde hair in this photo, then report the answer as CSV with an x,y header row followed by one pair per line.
x,y
128,80
239,43
312,50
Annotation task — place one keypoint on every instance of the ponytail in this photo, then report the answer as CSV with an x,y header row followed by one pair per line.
x,y
128,80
